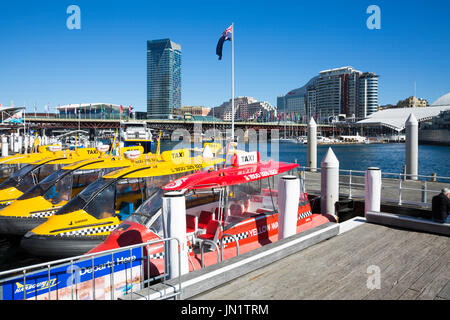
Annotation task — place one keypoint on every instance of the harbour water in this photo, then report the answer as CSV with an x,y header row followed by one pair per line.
x,y
389,157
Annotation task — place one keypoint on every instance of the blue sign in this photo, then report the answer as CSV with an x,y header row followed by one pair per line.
x,y
103,277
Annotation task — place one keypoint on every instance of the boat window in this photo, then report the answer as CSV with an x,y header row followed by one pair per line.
x,y
6,170
15,178
27,176
61,190
79,201
34,176
198,197
149,213
251,198
102,206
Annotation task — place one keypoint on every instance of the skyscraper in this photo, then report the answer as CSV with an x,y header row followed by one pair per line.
x,y
163,78
333,92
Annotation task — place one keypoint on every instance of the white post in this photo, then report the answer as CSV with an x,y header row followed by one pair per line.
x,y
174,223
312,145
329,183
11,142
16,144
20,143
4,146
411,147
372,182
26,143
232,82
288,198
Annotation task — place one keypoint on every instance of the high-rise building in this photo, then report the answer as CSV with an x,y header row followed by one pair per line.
x,y
245,109
163,78
332,93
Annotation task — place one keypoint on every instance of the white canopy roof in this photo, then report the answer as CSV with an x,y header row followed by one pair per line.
x,y
395,118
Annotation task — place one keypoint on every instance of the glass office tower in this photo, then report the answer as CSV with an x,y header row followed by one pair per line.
x,y
163,78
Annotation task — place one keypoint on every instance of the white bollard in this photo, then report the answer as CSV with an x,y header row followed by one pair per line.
x,y
312,145
19,143
174,222
329,183
4,146
412,147
288,198
16,144
11,142
26,143
372,189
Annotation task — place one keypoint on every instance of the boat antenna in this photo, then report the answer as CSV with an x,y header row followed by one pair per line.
x,y
158,147
114,141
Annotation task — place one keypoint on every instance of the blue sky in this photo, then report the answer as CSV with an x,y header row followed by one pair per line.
x,y
279,46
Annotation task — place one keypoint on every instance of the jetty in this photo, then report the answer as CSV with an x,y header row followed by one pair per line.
x,y
411,264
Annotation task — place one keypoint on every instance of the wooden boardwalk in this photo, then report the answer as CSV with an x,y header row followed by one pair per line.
x,y
412,265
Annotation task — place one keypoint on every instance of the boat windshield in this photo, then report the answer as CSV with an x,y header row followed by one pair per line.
x,y
250,199
63,185
79,201
109,197
149,214
28,176
6,170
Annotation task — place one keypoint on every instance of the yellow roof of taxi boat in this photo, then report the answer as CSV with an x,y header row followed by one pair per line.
x,y
164,168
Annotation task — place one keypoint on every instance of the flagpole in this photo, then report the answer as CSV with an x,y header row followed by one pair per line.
x,y
232,82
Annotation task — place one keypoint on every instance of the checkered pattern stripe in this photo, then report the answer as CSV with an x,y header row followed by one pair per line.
x,y
238,236
159,255
43,214
304,215
89,231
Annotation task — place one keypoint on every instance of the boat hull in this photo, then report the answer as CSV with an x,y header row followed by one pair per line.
x,y
17,225
59,247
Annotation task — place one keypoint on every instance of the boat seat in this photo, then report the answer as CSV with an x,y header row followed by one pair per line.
x,y
236,210
191,223
231,219
211,231
204,218
125,209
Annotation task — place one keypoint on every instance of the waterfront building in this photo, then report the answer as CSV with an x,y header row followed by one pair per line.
x,y
437,131
163,78
193,110
344,92
245,109
93,111
411,102
395,118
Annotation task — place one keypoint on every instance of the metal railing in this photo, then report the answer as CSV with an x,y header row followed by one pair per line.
x,y
212,243
119,271
399,188
235,239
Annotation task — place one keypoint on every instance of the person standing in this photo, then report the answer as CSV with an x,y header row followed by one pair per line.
x,y
440,206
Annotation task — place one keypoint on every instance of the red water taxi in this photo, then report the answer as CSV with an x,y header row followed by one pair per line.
x,y
234,207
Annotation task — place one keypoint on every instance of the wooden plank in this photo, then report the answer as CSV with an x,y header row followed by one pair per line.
x,y
435,270
409,294
437,284
413,265
412,273
354,285
402,258
445,292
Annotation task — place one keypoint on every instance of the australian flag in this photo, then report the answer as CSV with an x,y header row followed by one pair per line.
x,y
227,35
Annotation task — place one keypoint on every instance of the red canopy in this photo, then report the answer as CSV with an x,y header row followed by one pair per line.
x,y
230,175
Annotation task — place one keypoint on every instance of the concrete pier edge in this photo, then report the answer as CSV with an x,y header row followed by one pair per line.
x,y
205,279
407,222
